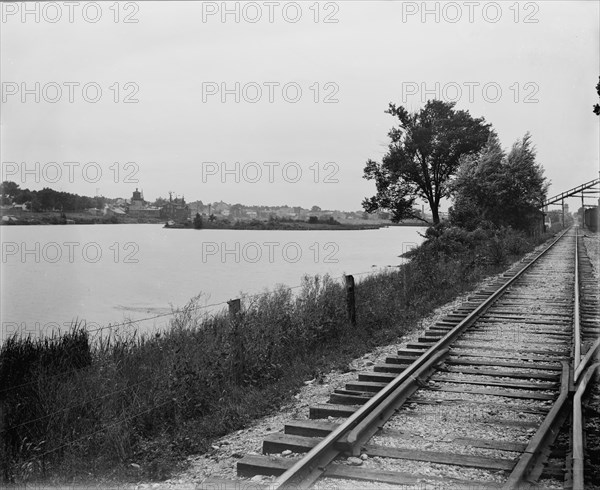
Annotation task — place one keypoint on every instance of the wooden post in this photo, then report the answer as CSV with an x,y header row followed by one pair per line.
x,y
350,300
237,358
544,211
563,212
235,305
582,212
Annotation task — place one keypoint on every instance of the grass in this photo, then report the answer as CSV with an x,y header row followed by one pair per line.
x,y
76,409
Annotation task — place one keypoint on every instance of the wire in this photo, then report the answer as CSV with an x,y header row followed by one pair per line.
x,y
162,315
126,388
199,307
104,428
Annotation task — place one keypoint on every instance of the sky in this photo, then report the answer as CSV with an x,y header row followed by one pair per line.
x,y
277,103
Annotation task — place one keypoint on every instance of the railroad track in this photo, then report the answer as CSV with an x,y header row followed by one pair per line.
x,y
477,401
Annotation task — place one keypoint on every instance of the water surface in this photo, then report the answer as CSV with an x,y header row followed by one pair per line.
x,y
52,275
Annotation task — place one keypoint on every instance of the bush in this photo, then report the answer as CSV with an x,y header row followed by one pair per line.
x,y
37,378
497,251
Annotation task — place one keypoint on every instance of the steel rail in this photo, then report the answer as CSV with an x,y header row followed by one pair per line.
x,y
544,436
584,362
576,321
578,453
528,465
308,469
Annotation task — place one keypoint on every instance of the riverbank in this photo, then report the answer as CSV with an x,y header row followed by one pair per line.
x,y
78,409
54,218
278,225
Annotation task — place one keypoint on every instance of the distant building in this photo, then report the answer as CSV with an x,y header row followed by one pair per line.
x,y
221,208
137,201
138,208
114,211
197,208
176,210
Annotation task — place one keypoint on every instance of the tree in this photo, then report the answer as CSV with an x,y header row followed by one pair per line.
x,y
236,210
556,216
315,209
423,155
492,187
597,106
24,196
48,199
9,190
160,202
198,223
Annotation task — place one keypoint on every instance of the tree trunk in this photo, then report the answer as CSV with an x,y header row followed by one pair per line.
x,y
435,213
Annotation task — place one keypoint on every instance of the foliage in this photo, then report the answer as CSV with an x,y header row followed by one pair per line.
x,y
48,199
493,188
34,376
478,247
556,218
423,155
597,106
330,220
198,223
9,191
159,202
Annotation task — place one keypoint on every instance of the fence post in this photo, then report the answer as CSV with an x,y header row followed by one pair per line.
x,y
237,357
235,305
350,301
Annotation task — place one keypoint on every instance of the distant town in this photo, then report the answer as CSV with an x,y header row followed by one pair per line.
x,y
22,206
177,209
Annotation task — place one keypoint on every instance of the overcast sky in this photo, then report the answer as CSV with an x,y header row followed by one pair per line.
x,y
531,66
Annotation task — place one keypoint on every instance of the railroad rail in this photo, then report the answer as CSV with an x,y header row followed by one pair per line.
x,y
478,400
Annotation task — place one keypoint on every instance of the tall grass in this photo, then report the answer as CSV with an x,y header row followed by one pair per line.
x,y
74,407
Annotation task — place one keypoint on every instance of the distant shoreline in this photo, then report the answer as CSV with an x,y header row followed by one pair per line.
x,y
53,218
291,226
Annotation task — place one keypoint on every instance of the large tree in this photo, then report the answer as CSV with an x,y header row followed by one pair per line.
x,y
493,187
9,190
424,153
